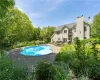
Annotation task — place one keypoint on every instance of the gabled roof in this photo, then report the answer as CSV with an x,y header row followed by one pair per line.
x,y
69,26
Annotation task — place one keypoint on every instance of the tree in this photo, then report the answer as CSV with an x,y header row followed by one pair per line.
x,y
20,29
5,7
37,34
46,33
96,26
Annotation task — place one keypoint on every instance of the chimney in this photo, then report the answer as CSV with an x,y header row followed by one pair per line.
x,y
80,27
89,20
80,16
80,19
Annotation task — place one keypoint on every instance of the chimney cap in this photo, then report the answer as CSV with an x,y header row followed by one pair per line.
x,y
89,17
80,16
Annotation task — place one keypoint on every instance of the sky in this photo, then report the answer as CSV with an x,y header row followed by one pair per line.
x,y
57,12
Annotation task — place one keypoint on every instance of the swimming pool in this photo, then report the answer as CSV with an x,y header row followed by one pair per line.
x,y
38,50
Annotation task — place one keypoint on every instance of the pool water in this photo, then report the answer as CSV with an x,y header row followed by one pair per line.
x,y
36,50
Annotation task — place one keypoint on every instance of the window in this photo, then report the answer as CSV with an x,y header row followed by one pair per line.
x,y
58,32
65,31
64,39
70,30
85,28
74,29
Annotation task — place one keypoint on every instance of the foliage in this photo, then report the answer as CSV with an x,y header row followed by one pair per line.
x,y
67,47
84,60
44,71
10,71
26,43
39,42
5,8
46,33
16,27
96,26
20,29
37,34
63,72
83,78
23,44
5,5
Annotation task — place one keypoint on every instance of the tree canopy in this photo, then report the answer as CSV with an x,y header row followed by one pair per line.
x,y
96,26
46,33
5,7
20,29
15,26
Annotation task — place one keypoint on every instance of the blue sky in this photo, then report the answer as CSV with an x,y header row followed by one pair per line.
x,y
57,12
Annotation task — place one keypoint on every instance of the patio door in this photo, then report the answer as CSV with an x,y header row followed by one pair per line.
x,y
64,39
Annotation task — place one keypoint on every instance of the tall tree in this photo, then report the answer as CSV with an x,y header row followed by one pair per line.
x,y
36,35
96,26
46,33
5,7
20,29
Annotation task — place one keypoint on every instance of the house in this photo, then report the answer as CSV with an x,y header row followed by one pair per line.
x,y
67,32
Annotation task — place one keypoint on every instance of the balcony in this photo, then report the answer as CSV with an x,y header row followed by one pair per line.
x,y
70,33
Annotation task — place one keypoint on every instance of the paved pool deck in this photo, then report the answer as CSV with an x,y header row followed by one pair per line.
x,y
56,49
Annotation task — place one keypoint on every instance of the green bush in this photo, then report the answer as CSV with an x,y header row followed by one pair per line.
x,y
67,47
84,60
39,42
44,71
9,71
83,78
23,44
63,72
26,43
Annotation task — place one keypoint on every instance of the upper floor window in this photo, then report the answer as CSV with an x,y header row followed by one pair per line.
x,y
70,30
85,28
74,29
58,32
65,31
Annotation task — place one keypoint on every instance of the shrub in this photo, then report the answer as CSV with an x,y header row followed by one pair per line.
x,y
9,71
44,71
63,72
39,42
84,60
22,44
67,47
83,78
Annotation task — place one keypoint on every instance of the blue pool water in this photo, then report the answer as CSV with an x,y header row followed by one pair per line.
x,y
36,50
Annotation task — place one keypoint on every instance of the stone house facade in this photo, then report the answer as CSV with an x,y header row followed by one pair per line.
x,y
67,32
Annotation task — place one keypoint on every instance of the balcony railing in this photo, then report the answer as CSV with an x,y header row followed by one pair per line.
x,y
70,33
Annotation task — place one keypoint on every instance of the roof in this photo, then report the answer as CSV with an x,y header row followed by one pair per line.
x,y
69,26
86,23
